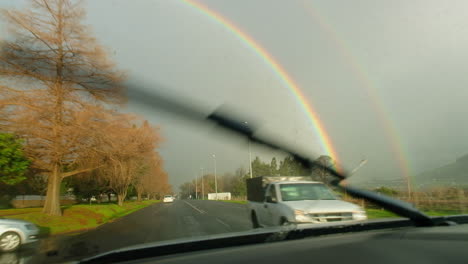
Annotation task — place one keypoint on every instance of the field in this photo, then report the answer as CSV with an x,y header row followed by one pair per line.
x,y
75,217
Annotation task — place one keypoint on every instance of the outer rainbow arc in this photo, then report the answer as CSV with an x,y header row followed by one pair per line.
x,y
363,78
279,70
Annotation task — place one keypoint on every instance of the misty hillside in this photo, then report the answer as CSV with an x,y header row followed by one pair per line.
x,y
451,174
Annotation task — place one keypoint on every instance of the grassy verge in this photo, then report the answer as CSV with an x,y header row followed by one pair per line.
x,y
378,213
75,217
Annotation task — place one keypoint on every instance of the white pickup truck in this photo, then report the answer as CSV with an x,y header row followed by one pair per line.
x,y
279,200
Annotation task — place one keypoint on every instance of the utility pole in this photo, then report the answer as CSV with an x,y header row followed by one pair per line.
x,y
216,180
250,161
196,187
202,185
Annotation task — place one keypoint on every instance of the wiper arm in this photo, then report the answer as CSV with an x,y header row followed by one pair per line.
x,y
393,205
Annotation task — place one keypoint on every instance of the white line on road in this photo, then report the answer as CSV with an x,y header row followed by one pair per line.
x,y
199,210
223,223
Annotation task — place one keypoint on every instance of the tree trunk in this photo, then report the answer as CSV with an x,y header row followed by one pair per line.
x,y
52,200
121,198
138,196
109,197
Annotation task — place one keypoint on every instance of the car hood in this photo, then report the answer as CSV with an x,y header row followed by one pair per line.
x,y
322,206
13,222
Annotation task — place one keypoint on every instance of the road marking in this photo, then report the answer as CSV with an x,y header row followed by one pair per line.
x,y
223,223
199,210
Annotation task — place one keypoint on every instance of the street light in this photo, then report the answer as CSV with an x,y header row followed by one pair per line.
x,y
216,180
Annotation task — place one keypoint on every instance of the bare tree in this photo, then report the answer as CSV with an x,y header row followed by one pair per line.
x,y
125,148
51,67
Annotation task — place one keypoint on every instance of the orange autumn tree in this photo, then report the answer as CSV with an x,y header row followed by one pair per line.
x,y
50,68
126,147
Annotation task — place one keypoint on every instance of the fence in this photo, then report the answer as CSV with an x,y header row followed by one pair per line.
x,y
23,201
436,204
219,196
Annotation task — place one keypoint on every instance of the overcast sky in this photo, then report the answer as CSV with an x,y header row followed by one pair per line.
x,y
387,78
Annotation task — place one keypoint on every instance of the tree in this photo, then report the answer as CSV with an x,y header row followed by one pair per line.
x,y
151,180
160,183
260,168
291,167
13,163
321,174
50,67
124,148
239,184
87,185
187,189
273,167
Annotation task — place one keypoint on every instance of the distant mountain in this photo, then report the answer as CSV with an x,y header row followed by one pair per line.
x,y
455,174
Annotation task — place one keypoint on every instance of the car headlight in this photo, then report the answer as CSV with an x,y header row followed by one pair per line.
x,y
301,216
359,215
30,227
299,212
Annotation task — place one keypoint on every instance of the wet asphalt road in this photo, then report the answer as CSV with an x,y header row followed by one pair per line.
x,y
158,222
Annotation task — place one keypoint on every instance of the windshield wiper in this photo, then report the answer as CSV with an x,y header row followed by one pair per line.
x,y
238,126
396,206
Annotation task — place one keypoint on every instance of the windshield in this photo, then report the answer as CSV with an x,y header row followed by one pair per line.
x,y
108,106
299,192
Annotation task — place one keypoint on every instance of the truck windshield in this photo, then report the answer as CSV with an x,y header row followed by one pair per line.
x,y
305,191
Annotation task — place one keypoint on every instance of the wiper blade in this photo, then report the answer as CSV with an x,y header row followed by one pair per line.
x,y
238,126
390,204
149,95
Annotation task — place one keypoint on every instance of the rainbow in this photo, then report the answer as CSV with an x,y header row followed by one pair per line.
x,y
365,81
279,71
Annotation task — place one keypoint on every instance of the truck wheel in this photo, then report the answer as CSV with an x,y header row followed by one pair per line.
x,y
255,223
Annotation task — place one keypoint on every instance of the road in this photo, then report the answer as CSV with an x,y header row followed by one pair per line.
x,y
158,222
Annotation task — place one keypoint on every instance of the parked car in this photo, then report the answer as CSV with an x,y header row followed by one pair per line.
x,y
168,199
14,233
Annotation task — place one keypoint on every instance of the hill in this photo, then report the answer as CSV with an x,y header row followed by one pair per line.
x,y
453,174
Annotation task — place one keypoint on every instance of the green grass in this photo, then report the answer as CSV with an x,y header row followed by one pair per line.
x,y
75,217
378,213
444,212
